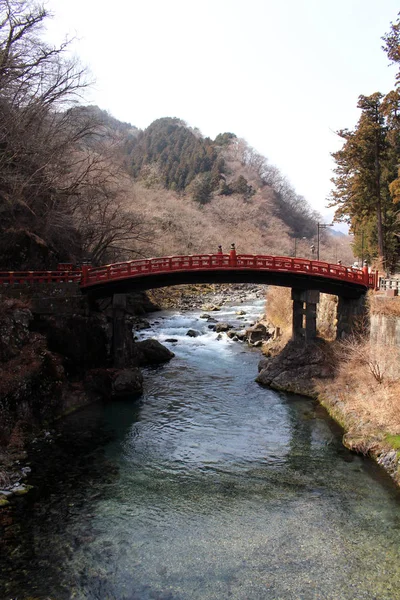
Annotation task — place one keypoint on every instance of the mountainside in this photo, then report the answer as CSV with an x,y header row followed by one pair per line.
x,y
168,190
197,193
77,184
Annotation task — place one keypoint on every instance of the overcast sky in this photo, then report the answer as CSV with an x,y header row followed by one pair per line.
x,y
283,74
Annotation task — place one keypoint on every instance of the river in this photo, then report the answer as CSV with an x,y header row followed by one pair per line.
x,y
210,487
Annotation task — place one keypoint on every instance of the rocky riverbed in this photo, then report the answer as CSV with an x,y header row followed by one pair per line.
x,y
53,362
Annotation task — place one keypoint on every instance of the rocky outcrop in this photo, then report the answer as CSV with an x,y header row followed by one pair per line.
x,y
82,340
294,369
25,251
56,355
31,376
151,352
257,333
109,383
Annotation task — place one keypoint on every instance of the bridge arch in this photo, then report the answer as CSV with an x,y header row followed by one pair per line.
x,y
306,278
296,273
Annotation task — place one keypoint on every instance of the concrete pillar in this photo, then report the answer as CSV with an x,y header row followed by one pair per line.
x,y
304,314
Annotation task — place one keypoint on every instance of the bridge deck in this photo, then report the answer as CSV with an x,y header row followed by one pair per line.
x,y
155,272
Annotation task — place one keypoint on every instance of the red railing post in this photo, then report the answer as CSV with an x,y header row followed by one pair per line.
x,y
232,256
365,275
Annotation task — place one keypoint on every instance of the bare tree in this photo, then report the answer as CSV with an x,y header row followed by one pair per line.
x,y
57,180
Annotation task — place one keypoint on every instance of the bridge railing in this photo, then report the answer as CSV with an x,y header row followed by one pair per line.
x,y
88,276
31,277
156,265
302,265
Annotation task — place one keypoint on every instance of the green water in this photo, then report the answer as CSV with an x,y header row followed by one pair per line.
x,y
211,487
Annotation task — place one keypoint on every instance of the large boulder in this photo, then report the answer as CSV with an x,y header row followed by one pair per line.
x,y
297,366
210,307
128,382
151,352
258,333
111,383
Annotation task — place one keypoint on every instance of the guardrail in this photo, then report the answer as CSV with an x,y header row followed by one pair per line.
x,y
388,283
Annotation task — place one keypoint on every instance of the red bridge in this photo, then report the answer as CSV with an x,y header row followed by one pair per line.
x,y
297,273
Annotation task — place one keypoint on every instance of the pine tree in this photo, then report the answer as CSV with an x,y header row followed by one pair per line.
x,y
364,170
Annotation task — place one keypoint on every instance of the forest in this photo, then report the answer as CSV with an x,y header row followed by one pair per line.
x,y
78,185
366,190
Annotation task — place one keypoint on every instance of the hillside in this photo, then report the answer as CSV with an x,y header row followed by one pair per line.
x,y
77,184
196,193
169,190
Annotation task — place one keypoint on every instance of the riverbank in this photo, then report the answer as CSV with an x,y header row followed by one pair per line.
x,y
209,486
341,376
55,358
356,380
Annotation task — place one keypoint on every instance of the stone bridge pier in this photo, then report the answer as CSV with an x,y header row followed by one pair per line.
x,y
304,314
351,315
122,339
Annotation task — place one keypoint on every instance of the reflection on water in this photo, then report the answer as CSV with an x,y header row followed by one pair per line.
x,y
210,488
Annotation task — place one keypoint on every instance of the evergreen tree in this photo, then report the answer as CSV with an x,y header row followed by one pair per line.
x,y
180,155
392,46
364,170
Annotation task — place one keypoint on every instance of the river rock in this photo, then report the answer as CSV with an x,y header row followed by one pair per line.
x,y
204,316
142,324
239,335
20,490
222,327
171,340
151,352
211,307
127,382
258,333
193,333
294,369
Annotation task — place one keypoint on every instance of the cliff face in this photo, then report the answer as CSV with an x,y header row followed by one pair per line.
x,y
34,387
56,355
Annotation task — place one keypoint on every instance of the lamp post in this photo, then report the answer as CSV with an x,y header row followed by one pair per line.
x,y
319,227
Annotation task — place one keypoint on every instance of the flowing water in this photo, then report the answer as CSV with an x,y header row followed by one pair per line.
x,y
211,487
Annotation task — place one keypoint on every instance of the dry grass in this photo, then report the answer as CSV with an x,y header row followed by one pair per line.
x,y
365,393
383,305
